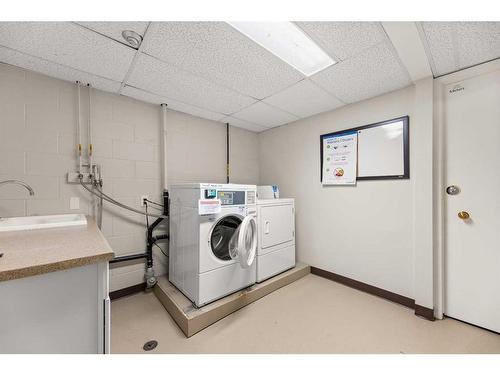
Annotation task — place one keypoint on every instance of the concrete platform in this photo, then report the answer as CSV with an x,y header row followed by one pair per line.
x,y
192,320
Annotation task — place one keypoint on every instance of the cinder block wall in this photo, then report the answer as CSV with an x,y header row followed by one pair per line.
x,y
38,117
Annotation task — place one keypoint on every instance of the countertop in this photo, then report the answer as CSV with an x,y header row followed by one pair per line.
x,y
34,252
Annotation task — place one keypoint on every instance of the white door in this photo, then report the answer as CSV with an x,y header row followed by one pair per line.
x,y
472,221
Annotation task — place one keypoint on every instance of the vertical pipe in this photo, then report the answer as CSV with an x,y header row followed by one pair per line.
x,y
164,145
227,152
89,124
101,201
79,130
95,202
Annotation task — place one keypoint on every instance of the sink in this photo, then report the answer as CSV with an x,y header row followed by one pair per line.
x,y
41,222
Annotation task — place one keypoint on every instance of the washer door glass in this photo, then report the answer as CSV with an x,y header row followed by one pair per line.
x,y
243,244
222,234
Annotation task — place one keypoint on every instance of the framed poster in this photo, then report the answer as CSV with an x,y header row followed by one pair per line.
x,y
383,150
340,159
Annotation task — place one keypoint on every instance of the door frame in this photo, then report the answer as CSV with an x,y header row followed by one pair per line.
x,y
440,172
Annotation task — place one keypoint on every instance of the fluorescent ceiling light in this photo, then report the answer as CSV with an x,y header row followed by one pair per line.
x,y
289,43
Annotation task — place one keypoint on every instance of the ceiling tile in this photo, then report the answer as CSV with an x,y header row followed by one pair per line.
x,y
477,42
233,121
160,78
38,65
458,45
114,29
374,72
172,104
304,99
220,53
439,38
68,44
344,39
265,115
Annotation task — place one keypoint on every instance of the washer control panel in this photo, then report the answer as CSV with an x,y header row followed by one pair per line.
x,y
231,198
210,193
250,197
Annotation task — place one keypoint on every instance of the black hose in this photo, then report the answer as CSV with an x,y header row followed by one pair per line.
x,y
160,237
125,258
151,240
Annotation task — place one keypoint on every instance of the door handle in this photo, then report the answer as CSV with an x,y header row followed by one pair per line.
x,y
464,215
266,229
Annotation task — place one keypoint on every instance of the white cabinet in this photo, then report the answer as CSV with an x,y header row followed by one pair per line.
x,y
58,312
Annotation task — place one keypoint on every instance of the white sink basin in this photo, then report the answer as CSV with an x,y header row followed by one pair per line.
x,y
41,222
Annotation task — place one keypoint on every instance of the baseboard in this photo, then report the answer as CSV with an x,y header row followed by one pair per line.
x,y
376,291
424,312
127,291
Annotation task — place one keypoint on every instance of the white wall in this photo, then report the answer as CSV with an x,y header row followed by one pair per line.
x,y
37,143
379,232
369,232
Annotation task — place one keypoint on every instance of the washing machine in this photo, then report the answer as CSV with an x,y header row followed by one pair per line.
x,y
213,239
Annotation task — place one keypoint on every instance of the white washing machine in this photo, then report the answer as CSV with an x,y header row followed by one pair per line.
x,y
276,232
213,239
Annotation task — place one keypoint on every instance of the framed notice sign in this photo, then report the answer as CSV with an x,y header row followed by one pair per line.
x,y
340,159
378,151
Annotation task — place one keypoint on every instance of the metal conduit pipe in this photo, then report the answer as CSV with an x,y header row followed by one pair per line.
x,y
89,131
164,145
227,152
78,129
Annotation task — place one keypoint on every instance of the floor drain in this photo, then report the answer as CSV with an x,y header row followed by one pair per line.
x,y
150,345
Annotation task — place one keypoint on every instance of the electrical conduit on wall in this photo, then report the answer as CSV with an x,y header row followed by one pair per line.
x,y
164,145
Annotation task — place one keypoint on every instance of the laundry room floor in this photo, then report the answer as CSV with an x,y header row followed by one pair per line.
x,y
311,315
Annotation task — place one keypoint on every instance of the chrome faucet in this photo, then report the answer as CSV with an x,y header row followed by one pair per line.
x,y
17,182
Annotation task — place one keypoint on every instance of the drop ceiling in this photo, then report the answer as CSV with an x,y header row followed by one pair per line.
x,y
210,70
452,46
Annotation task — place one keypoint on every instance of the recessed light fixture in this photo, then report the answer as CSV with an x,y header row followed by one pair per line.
x,y
132,38
289,43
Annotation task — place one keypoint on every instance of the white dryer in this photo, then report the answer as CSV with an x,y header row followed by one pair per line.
x,y
276,232
213,239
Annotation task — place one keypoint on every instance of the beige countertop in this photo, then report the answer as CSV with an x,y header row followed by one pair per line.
x,y
34,252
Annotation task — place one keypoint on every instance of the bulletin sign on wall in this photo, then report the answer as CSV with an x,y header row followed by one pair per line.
x,y
372,152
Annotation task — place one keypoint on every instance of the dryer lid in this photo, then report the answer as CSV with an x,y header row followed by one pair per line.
x,y
243,243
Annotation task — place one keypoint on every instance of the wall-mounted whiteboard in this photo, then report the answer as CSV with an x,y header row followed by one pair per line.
x,y
383,149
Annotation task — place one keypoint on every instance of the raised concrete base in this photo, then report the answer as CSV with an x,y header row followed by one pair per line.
x,y
192,320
